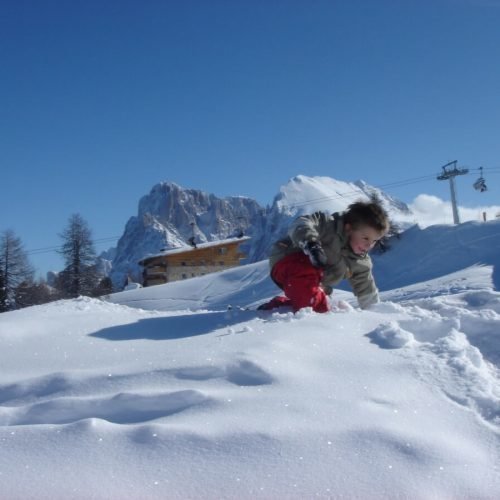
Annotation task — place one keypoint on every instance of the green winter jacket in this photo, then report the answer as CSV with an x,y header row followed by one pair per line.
x,y
343,263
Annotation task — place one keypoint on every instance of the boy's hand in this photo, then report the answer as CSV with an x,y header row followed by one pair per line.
x,y
316,254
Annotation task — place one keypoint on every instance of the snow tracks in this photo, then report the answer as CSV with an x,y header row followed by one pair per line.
x,y
456,340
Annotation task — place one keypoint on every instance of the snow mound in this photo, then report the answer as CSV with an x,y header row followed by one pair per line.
x,y
390,336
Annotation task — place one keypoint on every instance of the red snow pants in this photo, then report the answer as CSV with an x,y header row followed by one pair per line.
x,y
301,282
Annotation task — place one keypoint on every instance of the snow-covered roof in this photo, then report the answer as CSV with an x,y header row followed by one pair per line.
x,y
200,246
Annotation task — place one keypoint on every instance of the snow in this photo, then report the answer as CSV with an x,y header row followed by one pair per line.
x,y
163,392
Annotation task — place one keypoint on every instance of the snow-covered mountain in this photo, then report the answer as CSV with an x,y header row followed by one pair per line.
x,y
165,393
166,216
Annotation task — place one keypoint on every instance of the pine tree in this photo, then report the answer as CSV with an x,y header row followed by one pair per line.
x,y
79,276
15,268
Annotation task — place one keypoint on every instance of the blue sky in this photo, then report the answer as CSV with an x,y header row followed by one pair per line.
x,y
101,100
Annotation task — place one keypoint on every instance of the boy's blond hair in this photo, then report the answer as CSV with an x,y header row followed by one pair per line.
x,y
367,213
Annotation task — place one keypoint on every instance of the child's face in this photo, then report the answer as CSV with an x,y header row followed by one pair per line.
x,y
363,239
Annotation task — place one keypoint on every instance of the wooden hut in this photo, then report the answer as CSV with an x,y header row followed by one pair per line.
x,y
191,261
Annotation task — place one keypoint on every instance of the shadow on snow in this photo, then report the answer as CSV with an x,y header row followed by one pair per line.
x,y
174,327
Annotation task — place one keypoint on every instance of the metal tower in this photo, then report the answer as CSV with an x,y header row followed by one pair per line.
x,y
451,174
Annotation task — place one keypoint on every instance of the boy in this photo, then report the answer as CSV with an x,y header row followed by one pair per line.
x,y
321,250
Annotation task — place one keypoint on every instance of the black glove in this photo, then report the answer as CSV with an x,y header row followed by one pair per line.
x,y
315,252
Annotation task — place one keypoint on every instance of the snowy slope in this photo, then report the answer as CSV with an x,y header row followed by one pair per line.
x,y
422,254
177,397
242,286
99,400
